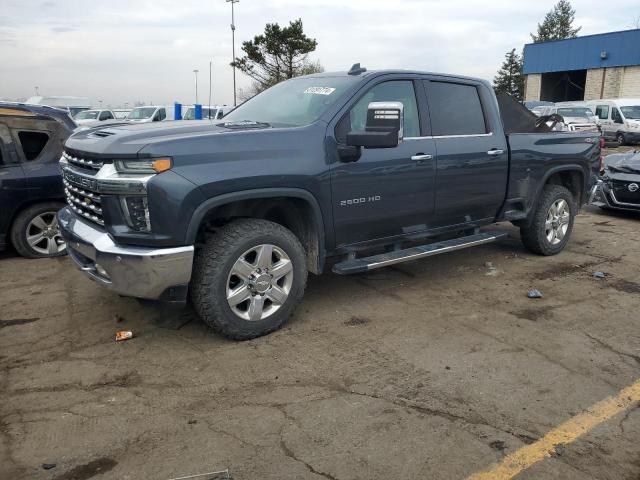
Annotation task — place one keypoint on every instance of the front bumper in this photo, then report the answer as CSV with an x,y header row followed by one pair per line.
x,y
603,196
151,273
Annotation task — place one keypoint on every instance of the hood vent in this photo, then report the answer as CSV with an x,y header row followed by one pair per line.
x,y
102,133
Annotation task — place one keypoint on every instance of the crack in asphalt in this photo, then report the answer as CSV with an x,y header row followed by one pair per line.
x,y
610,348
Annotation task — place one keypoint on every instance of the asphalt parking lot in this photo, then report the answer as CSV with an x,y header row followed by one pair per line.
x,y
434,369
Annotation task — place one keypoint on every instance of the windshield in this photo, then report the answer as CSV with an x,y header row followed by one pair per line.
x,y
87,115
575,112
296,102
141,113
631,113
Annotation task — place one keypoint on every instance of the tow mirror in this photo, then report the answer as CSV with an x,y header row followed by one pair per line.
x,y
384,128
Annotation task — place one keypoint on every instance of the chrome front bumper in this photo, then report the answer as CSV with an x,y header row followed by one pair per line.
x,y
151,273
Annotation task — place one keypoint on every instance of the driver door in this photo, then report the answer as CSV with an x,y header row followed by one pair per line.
x,y
387,192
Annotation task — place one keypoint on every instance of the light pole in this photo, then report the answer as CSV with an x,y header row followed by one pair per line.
x,y
196,73
100,102
233,47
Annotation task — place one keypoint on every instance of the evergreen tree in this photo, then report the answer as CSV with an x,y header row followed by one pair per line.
x,y
557,24
278,54
509,78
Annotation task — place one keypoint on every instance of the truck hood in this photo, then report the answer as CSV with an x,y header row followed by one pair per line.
x,y
126,138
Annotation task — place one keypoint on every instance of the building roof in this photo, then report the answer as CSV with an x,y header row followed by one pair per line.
x,y
613,49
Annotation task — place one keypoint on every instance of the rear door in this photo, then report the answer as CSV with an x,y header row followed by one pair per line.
x,y
603,112
39,146
13,186
473,160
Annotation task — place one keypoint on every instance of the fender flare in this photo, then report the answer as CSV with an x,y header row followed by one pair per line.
x,y
203,209
575,167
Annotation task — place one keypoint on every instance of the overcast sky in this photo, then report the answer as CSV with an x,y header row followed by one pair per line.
x,y
126,51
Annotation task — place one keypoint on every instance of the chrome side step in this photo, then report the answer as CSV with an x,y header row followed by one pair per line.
x,y
359,265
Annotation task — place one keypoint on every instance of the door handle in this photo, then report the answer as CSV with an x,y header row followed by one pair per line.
x,y
495,151
420,157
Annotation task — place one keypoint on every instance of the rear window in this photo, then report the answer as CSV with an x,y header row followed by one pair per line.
x,y
32,143
455,109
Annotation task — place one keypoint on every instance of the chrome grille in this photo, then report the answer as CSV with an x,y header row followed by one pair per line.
x,y
78,160
84,202
622,192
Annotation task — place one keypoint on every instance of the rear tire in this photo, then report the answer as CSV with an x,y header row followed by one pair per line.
x,y
552,222
248,278
35,232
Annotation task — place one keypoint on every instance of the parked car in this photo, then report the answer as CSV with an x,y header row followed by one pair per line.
x,y
31,189
534,105
576,118
367,169
149,114
619,188
619,119
212,113
88,117
73,105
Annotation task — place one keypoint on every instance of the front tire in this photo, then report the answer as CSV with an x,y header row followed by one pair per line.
x,y
552,222
621,140
35,232
248,278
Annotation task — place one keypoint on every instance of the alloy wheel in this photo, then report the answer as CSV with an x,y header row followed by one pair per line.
x,y
259,282
557,223
43,234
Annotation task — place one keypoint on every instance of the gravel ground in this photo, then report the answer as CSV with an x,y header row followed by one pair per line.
x,y
431,369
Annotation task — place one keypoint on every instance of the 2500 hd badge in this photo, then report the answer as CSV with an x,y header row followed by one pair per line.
x,y
356,201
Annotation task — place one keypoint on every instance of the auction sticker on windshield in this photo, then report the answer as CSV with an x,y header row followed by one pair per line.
x,y
320,90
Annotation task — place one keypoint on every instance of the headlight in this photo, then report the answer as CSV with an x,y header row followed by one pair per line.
x,y
136,212
151,165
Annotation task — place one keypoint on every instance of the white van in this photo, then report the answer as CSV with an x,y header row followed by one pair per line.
x,y
619,119
151,113
72,104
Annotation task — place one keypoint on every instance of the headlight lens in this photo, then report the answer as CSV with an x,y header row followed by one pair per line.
x,y
136,212
151,165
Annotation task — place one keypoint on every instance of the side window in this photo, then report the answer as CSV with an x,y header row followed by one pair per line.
x,y
32,143
220,114
392,91
105,116
615,115
162,114
602,112
455,109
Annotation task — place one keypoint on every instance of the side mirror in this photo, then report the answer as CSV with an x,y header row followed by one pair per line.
x,y
384,128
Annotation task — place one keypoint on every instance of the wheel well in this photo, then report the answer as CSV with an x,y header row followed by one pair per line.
x,y
570,179
30,203
294,214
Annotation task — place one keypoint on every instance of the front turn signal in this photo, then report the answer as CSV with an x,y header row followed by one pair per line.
x,y
161,164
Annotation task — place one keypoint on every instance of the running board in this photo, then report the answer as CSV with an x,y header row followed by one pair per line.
x,y
359,265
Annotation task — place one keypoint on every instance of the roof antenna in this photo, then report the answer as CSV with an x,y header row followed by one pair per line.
x,y
356,69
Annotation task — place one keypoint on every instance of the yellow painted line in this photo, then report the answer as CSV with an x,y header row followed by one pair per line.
x,y
567,432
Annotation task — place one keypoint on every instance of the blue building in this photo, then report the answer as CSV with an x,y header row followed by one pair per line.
x,y
606,65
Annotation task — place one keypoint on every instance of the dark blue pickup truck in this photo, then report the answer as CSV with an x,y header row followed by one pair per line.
x,y
362,169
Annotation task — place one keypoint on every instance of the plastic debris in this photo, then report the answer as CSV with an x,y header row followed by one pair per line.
x,y
534,294
123,335
48,466
599,274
